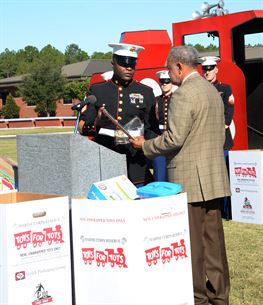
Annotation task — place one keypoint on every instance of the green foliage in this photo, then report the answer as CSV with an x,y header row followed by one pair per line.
x,y
76,89
200,48
28,54
52,55
100,55
10,110
74,54
8,64
43,87
25,58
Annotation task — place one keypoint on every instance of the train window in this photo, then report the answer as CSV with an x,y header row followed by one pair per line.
x,y
205,43
253,47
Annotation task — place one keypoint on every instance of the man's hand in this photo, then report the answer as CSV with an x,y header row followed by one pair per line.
x,y
101,119
137,142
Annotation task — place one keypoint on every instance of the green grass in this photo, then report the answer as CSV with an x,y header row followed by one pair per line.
x,y
244,242
8,146
5,132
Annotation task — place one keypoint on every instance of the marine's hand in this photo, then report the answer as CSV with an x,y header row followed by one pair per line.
x,y
137,142
102,120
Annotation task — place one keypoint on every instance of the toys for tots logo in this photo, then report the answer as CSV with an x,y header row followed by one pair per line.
x,y
102,258
245,172
48,235
176,250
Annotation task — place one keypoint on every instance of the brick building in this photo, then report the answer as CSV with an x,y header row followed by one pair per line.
x,y
74,72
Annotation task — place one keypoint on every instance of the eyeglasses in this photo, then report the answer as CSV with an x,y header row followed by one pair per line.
x,y
208,68
165,81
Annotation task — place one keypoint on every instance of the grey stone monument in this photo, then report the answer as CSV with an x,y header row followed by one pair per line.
x,y
63,163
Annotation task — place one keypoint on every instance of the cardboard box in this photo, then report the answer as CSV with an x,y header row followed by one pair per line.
x,y
246,180
132,252
117,188
35,266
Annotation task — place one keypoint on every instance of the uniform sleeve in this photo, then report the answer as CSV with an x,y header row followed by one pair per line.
x,y
151,124
229,102
89,116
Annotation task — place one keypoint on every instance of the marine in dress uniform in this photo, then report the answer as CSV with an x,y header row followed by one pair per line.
x,y
210,70
162,103
124,98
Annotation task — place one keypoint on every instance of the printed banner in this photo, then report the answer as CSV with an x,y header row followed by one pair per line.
x,y
35,266
246,179
132,252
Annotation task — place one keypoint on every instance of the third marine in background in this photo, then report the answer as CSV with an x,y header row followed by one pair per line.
x,y
210,70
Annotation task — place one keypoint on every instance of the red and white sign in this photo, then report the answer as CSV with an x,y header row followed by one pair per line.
x,y
246,179
132,252
35,266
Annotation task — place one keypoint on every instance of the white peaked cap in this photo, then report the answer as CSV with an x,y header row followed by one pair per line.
x,y
107,75
153,84
209,60
125,49
163,74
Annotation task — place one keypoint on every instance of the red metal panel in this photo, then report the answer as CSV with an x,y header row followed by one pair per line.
x,y
229,72
157,45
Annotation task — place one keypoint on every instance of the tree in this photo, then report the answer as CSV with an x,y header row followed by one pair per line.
x,y
10,110
52,55
25,58
76,89
101,55
43,87
74,54
8,64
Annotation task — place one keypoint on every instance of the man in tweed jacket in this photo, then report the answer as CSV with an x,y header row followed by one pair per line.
x,y
193,144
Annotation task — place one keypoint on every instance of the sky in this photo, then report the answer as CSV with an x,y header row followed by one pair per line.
x,y
92,24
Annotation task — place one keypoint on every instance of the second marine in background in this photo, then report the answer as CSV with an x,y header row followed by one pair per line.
x,y
162,103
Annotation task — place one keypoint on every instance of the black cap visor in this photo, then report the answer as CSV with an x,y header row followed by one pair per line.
x,y
125,61
165,81
208,68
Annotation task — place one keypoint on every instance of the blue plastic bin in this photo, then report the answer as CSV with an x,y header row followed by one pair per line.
x,y
159,189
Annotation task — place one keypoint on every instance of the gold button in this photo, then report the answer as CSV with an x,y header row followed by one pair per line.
x,y
121,95
120,102
137,106
120,110
119,118
120,88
